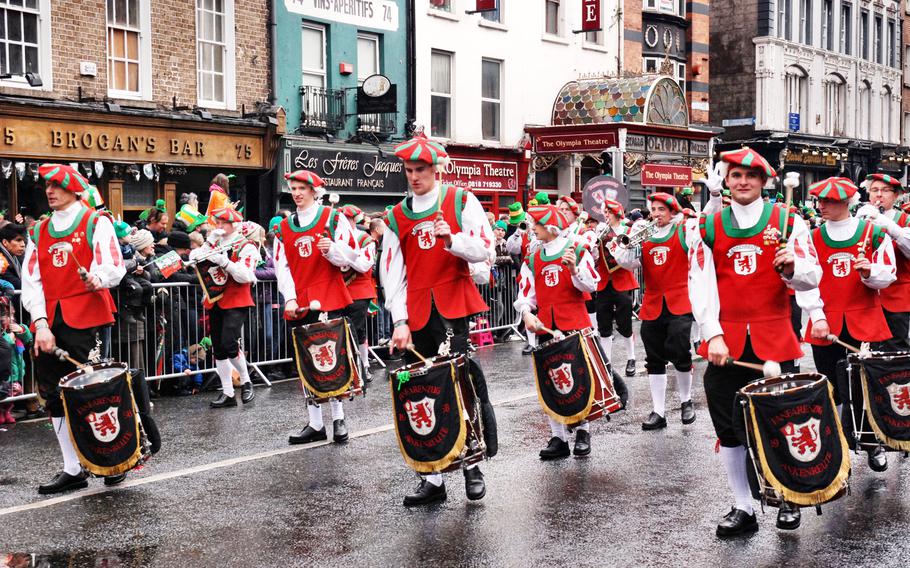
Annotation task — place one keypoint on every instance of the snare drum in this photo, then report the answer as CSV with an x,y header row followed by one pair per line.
x,y
103,418
878,413
795,440
328,360
437,415
574,381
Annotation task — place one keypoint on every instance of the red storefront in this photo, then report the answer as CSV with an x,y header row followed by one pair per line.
x,y
496,176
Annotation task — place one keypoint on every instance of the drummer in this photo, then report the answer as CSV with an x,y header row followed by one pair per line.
x,y
361,284
666,315
581,235
740,302
228,313
68,310
884,191
556,281
857,261
312,245
426,278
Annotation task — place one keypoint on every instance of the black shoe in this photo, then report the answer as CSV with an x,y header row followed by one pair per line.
x,y
426,493
527,349
340,431
788,516
308,435
737,522
474,487
556,448
64,482
582,443
878,459
112,480
688,412
654,422
630,368
223,401
246,392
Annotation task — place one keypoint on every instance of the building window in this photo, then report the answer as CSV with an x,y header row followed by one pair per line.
x,y
906,128
552,17
835,101
442,5
597,37
494,15
877,39
892,42
367,56
864,116
783,19
651,5
864,34
796,94
828,26
805,22
650,65
313,43
127,48
491,98
681,76
215,53
19,37
886,114
846,28
441,94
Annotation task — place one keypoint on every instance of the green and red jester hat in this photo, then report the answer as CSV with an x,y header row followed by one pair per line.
x,y
64,177
834,188
548,216
574,207
422,149
305,176
890,180
614,207
667,199
227,214
748,158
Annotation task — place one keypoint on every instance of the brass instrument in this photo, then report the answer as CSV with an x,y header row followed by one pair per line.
x,y
222,248
638,237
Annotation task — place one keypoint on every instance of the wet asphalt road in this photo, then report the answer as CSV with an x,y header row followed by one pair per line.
x,y
227,490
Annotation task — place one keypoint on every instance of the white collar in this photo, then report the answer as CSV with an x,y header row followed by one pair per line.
x,y
425,202
748,215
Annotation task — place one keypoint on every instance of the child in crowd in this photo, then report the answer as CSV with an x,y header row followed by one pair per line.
x,y
187,362
15,338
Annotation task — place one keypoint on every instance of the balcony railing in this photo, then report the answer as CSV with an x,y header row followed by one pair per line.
x,y
382,124
323,109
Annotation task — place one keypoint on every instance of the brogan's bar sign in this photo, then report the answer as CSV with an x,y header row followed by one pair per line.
x,y
569,143
490,175
666,175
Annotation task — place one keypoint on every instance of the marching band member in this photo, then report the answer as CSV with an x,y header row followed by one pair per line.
x,y
71,261
666,314
361,284
571,210
740,301
235,267
883,193
858,263
614,292
556,281
311,247
523,243
426,276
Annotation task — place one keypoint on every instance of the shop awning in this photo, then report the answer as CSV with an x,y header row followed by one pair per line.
x,y
649,99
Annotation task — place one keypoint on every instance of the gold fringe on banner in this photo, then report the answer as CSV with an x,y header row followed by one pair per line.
x,y
902,445
579,416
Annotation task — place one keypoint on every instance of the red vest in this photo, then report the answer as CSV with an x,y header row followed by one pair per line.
x,y
236,295
560,305
665,269
623,280
753,297
315,278
79,308
845,296
435,276
362,286
896,297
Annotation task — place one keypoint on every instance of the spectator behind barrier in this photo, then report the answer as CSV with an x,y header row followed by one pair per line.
x,y
12,248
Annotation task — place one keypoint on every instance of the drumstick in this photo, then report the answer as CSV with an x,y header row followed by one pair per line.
x,y
791,180
551,332
314,306
768,369
418,355
65,356
834,339
68,249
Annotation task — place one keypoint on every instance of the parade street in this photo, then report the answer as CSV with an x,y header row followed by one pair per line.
x,y
227,490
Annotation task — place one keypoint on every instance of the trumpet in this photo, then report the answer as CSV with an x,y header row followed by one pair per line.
x,y
523,225
220,249
639,236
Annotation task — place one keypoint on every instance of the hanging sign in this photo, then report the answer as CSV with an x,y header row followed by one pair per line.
x,y
590,16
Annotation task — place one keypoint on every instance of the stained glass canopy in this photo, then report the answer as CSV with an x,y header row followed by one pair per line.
x,y
649,99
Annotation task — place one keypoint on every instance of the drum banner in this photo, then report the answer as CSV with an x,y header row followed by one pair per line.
x,y
798,438
429,418
886,395
564,378
324,359
213,279
104,426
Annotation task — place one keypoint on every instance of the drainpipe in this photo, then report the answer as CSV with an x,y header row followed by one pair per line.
x,y
411,115
273,49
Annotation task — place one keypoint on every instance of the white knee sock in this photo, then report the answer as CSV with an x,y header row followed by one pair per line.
x,y
684,385
593,317
630,349
315,412
583,426
365,358
337,409
607,344
223,368
735,463
558,429
659,393
532,338
71,463
239,363
434,479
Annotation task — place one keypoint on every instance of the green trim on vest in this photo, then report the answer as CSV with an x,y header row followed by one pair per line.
x,y
852,241
878,236
68,231
561,252
460,201
665,238
727,223
332,224
90,229
707,230
414,216
392,223
292,221
35,232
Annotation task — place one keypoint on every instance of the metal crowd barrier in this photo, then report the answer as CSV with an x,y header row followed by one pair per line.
x,y
150,338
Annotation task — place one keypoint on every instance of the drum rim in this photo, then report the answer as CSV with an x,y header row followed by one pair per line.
x,y
326,323
877,356
554,340
83,371
419,368
782,378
